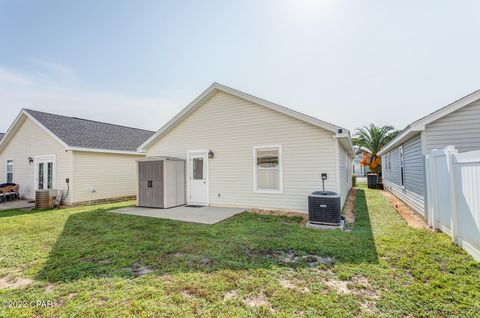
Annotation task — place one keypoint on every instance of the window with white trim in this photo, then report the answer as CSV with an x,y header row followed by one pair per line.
x,y
268,169
402,167
10,171
388,162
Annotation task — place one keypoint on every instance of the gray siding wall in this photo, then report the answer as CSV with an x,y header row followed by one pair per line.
x,y
392,174
460,129
345,173
413,191
414,166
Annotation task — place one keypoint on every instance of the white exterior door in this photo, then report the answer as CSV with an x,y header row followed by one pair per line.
x,y
44,172
198,178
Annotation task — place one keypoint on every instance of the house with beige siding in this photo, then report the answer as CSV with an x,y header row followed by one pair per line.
x,y
84,160
243,151
403,168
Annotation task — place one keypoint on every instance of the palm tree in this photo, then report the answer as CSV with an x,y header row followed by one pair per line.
x,y
370,140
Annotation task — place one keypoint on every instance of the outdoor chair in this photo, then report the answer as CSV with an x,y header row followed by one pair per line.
x,y
4,195
9,191
15,192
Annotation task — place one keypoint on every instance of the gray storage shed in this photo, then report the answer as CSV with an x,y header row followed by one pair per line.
x,y
161,182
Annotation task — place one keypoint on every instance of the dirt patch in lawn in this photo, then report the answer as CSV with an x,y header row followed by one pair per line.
x,y
17,282
230,295
358,286
294,284
138,269
302,217
349,208
50,288
258,301
412,218
293,257
194,259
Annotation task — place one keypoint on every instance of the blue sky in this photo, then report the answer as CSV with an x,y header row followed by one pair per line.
x,y
138,63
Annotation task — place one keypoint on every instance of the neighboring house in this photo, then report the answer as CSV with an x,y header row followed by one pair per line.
x,y
245,151
42,151
358,169
403,159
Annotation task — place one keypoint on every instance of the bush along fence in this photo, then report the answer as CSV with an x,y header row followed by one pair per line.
x,y
453,196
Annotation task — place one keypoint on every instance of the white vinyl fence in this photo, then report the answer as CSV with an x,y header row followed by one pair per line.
x,y
453,196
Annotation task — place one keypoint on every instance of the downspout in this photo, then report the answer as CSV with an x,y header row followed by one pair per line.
x,y
337,165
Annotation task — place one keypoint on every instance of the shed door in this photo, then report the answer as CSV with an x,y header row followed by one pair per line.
x,y
150,184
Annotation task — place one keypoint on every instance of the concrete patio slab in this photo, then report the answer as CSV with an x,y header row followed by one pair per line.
x,y
17,204
203,215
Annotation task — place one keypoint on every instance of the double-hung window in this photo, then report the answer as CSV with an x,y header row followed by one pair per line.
x,y
9,171
268,169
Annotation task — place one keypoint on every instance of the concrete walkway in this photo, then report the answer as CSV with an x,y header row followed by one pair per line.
x,y
203,215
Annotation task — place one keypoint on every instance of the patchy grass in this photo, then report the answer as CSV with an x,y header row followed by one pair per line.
x,y
91,262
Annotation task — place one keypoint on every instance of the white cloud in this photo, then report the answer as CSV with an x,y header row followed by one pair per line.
x,y
52,71
19,90
8,77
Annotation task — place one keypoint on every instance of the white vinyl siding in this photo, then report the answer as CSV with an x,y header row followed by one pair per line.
x,y
112,175
30,141
231,127
413,188
460,129
109,175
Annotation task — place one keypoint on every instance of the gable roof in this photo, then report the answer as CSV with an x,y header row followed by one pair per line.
x,y
342,134
82,134
419,125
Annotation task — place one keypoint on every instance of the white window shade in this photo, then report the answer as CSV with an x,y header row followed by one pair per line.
x,y
268,179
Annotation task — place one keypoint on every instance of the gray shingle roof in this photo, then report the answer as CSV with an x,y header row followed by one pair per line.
x,y
77,132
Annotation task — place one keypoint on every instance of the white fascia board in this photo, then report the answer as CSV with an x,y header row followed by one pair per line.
x,y
11,130
345,139
120,152
450,108
400,139
419,125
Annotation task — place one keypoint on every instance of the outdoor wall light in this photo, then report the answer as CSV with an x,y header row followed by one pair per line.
x,y
30,160
210,154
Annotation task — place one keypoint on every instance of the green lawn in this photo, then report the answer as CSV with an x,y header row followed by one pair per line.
x,y
85,261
